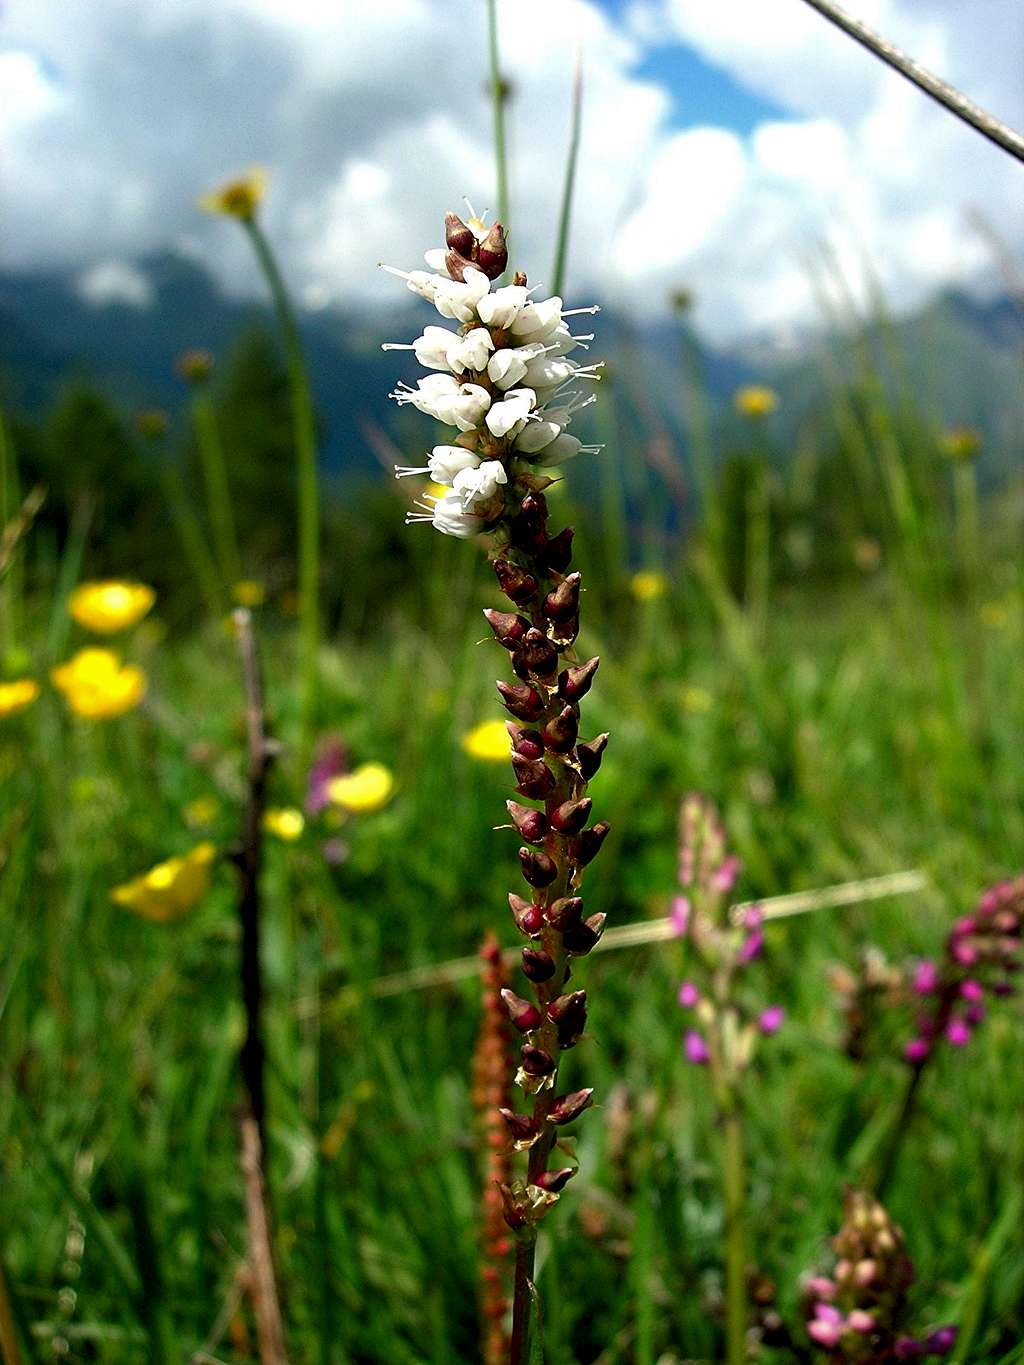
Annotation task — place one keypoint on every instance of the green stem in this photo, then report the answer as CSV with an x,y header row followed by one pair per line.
x,y
498,97
218,491
899,1132
308,488
193,543
10,603
522,1297
968,526
565,214
733,1192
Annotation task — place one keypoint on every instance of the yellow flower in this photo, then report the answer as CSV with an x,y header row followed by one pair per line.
x,y
285,823
960,443
98,686
201,812
170,889
489,741
111,605
16,695
366,789
647,584
238,198
755,400
249,593
696,700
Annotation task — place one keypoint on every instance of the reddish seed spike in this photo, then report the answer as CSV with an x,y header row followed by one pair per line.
x,y
568,1108
576,682
591,841
535,779
523,701
457,236
554,1181
589,755
561,731
531,824
562,604
536,1062
520,1126
537,868
509,629
526,743
564,912
529,918
522,1014
517,584
456,265
557,552
573,1003
538,965
538,653
571,816
582,937
492,252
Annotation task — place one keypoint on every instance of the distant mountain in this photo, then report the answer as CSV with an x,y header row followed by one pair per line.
x,y
960,358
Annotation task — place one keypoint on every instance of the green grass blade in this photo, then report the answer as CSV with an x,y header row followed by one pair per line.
x,y
565,213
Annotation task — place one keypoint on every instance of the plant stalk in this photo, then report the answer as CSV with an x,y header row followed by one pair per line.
x,y
304,430
218,491
499,95
734,1196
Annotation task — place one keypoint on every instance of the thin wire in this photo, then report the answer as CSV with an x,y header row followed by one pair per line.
x,y
945,94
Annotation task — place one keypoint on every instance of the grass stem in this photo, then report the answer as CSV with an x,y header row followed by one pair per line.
x,y
499,95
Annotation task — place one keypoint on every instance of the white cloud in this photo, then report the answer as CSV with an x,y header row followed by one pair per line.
x,y
113,282
374,119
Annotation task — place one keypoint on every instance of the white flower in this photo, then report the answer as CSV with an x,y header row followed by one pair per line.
x,y
453,519
563,448
480,484
471,351
536,436
443,465
465,408
536,321
511,412
548,371
428,393
436,259
508,366
458,299
431,349
418,281
501,308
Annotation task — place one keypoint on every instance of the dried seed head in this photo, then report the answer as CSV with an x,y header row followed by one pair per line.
x,y
571,816
575,682
591,841
561,731
517,584
528,743
523,701
523,1015
567,1108
537,867
589,755
492,253
537,653
538,965
531,824
535,779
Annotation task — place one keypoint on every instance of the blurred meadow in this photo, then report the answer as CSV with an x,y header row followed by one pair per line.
x,y
805,582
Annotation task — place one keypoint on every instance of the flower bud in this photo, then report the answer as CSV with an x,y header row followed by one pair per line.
x,y
561,731
492,252
523,701
508,628
521,1126
531,824
942,1341
537,867
557,552
589,755
563,913
523,1015
590,842
538,965
457,236
567,1108
575,682
455,264
538,653
517,584
581,938
536,1062
529,918
571,816
563,602
554,1181
572,1003
528,743
535,779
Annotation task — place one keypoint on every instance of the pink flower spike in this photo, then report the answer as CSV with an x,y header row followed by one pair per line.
x,y
822,1287
827,1312
958,1033
974,1014
826,1334
680,915
724,878
926,978
695,1049
972,991
965,953
917,1050
769,1021
689,995
860,1321
966,924
753,918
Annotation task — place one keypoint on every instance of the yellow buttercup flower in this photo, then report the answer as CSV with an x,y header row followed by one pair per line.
x,y
16,695
248,593
755,400
238,198
285,823
171,888
647,584
98,686
110,605
960,443
368,788
489,741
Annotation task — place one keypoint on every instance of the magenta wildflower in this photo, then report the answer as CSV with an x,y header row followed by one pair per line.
x,y
680,915
695,1048
769,1021
958,1034
689,995
331,761
926,978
